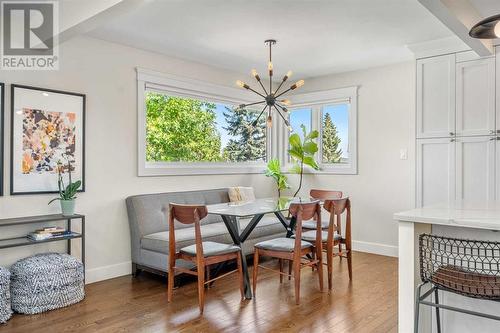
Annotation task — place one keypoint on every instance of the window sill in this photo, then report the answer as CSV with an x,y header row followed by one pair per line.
x,y
345,169
183,169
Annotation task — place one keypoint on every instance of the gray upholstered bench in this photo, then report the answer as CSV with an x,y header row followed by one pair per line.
x,y
46,282
5,309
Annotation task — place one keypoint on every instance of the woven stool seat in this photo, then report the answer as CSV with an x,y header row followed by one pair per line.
x,y
468,283
5,309
46,282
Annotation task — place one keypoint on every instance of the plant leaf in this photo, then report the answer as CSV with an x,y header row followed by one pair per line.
x,y
308,160
310,147
295,169
313,135
295,141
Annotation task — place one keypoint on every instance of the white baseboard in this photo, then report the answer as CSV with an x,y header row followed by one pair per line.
x,y
125,268
376,248
108,272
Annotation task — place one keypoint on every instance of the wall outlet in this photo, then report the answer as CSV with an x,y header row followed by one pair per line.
x,y
403,154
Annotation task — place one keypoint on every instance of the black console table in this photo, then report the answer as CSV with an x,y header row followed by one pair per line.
x,y
25,241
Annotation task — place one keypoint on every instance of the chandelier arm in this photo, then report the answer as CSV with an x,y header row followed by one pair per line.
x,y
255,91
278,89
284,92
242,106
263,88
281,107
286,121
260,114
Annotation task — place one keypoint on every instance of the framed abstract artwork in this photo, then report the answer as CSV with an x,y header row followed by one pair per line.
x,y
2,107
47,129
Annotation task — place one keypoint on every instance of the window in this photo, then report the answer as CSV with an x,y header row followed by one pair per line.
x,y
180,129
192,127
333,114
189,127
335,134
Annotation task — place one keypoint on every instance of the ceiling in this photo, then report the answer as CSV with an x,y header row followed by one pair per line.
x,y
487,7
315,37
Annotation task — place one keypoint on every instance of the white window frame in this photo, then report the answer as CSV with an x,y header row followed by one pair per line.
x,y
148,80
316,101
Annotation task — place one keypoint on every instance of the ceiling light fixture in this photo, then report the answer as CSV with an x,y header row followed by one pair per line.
x,y
489,28
271,97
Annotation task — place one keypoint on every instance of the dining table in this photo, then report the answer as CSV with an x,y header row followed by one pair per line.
x,y
232,212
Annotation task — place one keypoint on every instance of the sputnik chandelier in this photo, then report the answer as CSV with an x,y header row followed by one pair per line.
x,y
271,98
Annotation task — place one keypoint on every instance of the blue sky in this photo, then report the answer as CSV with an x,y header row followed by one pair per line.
x,y
338,112
340,117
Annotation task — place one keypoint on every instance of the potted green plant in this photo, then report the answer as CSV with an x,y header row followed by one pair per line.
x,y
274,171
67,194
302,153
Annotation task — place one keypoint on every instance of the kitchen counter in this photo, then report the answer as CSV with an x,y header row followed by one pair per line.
x,y
461,219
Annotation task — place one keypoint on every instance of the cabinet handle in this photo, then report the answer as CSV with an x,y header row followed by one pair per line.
x,y
493,132
452,140
452,134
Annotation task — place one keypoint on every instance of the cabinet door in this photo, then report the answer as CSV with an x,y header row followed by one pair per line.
x,y
435,171
436,97
475,168
475,97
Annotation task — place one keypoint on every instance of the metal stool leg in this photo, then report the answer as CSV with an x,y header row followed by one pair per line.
x,y
438,317
417,307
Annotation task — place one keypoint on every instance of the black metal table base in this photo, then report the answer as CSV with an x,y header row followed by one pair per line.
x,y
233,227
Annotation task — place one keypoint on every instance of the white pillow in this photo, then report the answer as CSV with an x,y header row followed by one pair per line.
x,y
241,193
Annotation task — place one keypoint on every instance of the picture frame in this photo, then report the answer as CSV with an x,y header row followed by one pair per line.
x,y
2,139
47,128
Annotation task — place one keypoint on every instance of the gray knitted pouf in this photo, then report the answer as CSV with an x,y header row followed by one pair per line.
x,y
45,282
5,311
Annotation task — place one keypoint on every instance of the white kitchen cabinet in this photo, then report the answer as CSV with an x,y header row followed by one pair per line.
x,y
475,168
435,171
436,97
475,97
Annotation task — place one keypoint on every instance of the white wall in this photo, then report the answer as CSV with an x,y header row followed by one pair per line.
x,y
384,183
106,73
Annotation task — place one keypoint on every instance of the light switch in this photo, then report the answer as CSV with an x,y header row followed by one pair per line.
x,y
403,154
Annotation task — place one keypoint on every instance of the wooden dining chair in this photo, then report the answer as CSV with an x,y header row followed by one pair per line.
x,y
294,249
321,195
332,237
202,254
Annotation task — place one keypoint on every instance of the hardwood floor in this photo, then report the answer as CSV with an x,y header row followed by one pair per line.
x,y
126,304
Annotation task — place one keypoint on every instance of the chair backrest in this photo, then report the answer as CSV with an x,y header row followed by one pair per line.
x,y
463,266
336,208
325,194
306,211
186,214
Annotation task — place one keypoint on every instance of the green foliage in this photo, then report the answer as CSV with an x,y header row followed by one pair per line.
x,y
250,141
274,170
331,151
181,129
302,153
66,192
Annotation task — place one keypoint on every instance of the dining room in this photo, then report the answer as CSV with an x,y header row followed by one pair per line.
x,y
249,166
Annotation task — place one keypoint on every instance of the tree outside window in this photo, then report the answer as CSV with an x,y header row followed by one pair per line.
x,y
189,130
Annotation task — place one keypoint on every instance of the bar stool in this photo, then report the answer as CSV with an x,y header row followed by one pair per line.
x,y
202,254
466,267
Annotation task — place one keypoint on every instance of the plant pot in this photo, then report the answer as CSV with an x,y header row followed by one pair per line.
x,y
68,207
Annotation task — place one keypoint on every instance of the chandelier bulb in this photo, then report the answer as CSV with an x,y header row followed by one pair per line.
x,y
299,83
269,121
270,66
287,76
242,84
255,74
286,101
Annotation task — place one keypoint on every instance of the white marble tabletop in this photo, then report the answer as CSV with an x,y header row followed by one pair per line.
x,y
468,214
